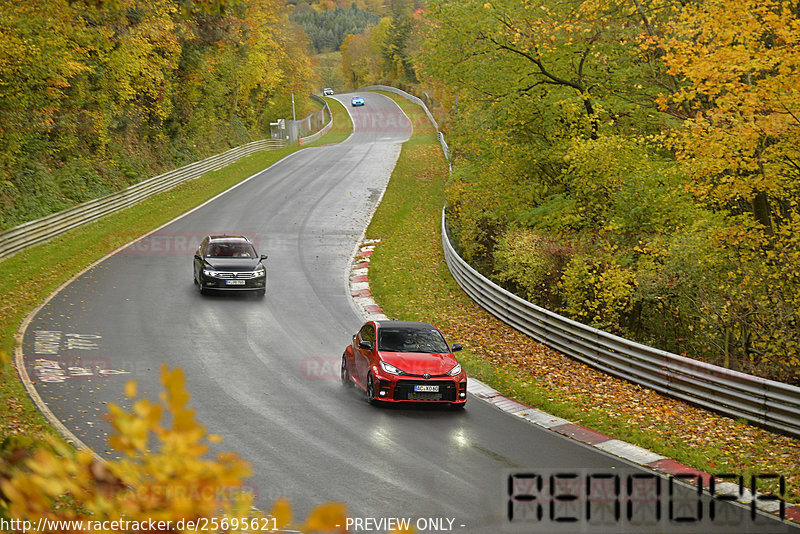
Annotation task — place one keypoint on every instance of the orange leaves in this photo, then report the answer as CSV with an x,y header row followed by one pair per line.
x,y
324,518
130,389
282,512
742,78
739,66
174,383
173,482
330,517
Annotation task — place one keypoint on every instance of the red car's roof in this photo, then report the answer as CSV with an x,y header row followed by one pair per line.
x,y
411,325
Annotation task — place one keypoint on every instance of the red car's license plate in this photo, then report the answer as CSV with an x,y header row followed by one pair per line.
x,y
431,387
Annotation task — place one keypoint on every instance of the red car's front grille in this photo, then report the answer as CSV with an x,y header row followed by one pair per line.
x,y
404,390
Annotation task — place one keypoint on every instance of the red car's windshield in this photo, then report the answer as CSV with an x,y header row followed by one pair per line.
x,y
411,340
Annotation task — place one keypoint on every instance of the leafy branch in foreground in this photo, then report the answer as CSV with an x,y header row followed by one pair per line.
x,y
175,481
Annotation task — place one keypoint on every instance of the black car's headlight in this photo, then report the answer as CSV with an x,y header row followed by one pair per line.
x,y
391,369
455,371
260,273
208,272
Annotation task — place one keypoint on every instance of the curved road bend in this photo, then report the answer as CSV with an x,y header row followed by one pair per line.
x,y
264,372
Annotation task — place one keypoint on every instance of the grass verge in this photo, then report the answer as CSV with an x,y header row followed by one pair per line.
x,y
342,124
410,280
32,274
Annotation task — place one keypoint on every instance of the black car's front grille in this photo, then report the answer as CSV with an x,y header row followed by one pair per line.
x,y
404,390
246,275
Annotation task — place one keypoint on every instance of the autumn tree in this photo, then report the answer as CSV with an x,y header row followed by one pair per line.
x,y
535,79
739,68
630,164
740,63
362,55
329,27
578,52
98,95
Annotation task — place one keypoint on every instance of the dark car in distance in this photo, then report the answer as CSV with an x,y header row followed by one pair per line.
x,y
404,361
229,263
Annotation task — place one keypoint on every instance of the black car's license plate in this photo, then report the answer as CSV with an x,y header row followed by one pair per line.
x,y
428,387
235,282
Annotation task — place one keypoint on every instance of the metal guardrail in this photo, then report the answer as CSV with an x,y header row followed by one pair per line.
x,y
35,232
771,404
407,96
317,117
326,110
419,102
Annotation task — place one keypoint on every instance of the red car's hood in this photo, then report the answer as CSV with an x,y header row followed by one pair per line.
x,y
418,363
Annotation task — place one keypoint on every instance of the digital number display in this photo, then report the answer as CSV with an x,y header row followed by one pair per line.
x,y
591,500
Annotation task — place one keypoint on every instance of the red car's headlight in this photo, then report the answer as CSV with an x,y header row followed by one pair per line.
x,y
391,369
455,371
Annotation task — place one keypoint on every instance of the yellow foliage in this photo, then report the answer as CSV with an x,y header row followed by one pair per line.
x,y
164,474
597,291
282,512
323,517
741,66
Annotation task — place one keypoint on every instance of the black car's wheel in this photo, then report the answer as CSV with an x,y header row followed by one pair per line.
x,y
345,371
199,283
371,390
260,293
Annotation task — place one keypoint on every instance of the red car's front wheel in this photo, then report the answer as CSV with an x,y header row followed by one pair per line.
x,y
371,389
345,371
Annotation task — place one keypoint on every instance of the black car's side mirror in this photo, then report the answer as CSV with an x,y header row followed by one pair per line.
x,y
366,345
263,256
457,347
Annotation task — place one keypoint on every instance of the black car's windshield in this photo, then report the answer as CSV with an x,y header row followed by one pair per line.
x,y
411,340
223,249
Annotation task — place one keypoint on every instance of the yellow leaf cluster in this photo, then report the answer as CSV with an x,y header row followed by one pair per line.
x,y
164,473
741,64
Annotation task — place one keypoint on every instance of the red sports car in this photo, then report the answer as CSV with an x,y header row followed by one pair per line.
x,y
404,361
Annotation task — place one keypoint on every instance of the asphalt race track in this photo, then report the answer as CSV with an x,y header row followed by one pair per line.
x,y
264,372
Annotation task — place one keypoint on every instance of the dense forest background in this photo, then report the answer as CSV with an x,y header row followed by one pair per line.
x,y
97,95
634,165
328,28
362,42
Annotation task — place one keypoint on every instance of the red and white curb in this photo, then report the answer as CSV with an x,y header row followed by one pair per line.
x,y
359,282
370,310
632,453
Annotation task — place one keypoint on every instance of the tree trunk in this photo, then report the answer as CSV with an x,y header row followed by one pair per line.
x,y
761,211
